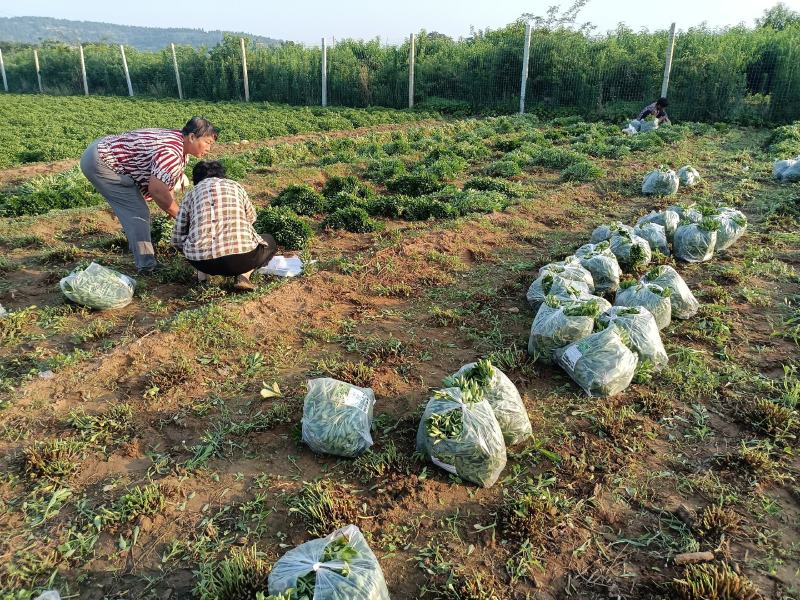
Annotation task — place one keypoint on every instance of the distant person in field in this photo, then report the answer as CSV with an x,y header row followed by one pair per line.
x,y
656,109
214,229
147,164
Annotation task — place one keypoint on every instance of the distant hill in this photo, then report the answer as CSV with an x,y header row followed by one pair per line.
x,y
32,30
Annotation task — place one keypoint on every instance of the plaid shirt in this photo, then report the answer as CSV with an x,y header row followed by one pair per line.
x,y
215,219
144,153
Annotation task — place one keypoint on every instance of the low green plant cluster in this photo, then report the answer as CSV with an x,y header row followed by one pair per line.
x,y
288,229
49,192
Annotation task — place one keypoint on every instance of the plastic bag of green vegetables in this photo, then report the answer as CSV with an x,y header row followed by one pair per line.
x,y
98,287
502,395
682,301
792,173
553,284
669,219
688,213
559,323
688,176
632,251
646,125
601,363
337,417
732,225
570,268
601,262
653,297
642,330
602,233
655,235
661,182
696,242
337,567
460,434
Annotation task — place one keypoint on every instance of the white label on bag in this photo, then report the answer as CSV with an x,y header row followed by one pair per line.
x,y
571,357
359,399
445,466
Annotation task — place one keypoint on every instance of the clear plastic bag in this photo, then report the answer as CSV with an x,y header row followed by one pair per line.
x,y
631,251
647,125
570,268
661,183
601,364
98,287
502,395
792,173
559,323
468,443
732,225
779,167
695,242
353,574
688,176
655,235
683,304
653,297
632,128
669,219
642,330
606,232
550,284
601,262
337,417
688,213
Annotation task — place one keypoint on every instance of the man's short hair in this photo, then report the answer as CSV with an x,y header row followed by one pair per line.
x,y
663,102
207,168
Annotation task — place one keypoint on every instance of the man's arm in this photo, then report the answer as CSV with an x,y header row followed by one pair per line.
x,y
162,196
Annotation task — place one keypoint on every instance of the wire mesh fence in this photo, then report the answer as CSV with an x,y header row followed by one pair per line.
x,y
736,74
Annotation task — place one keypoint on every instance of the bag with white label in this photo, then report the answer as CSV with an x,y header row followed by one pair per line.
x,y
502,395
340,565
601,363
337,417
460,434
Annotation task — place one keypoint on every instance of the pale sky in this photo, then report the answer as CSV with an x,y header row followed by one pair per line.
x,y
308,21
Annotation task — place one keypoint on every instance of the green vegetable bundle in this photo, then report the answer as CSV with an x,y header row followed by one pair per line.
x,y
661,182
601,363
553,284
601,262
669,219
502,395
559,323
688,176
732,225
696,242
570,268
337,417
653,297
460,434
601,233
683,303
642,332
631,251
655,235
337,567
98,287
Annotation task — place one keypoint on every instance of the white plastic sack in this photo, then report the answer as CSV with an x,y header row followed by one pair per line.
x,y
477,453
647,125
550,284
688,176
669,219
606,232
792,173
631,251
631,128
601,363
49,595
282,266
732,225
683,303
779,167
688,213
559,323
337,417
98,287
503,396
570,268
358,578
655,235
661,183
601,262
653,297
642,330
695,242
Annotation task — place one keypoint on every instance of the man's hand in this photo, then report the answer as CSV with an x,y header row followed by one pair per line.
x,y
162,196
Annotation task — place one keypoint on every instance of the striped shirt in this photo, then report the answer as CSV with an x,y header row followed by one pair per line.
x,y
214,220
146,153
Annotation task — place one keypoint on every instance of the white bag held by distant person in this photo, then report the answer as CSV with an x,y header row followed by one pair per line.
x,y
340,565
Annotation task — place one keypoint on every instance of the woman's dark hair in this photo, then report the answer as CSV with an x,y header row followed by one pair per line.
x,y
207,168
200,127
663,102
